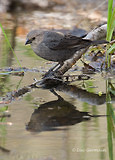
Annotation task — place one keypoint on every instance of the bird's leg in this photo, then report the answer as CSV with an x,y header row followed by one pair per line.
x,y
53,91
50,71
53,70
60,65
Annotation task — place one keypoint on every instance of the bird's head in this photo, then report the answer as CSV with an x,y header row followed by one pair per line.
x,y
32,36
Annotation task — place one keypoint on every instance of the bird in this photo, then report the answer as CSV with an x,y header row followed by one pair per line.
x,y
56,46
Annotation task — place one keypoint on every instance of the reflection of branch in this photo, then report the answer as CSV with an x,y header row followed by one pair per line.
x,y
72,90
5,115
83,95
4,150
16,94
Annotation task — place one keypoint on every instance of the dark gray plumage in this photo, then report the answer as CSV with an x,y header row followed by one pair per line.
x,y
56,46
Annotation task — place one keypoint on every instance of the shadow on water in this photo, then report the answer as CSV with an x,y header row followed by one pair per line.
x,y
54,114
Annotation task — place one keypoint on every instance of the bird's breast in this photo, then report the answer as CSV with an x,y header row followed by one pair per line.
x,y
52,55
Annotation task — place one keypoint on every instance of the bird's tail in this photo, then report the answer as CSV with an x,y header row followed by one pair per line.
x,y
95,43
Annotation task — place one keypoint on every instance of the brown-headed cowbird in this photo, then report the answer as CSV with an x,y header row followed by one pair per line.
x,y
55,46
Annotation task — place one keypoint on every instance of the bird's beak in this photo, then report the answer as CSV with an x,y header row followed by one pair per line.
x,y
27,42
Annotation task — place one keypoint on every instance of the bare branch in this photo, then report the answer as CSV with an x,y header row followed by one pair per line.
x,y
97,33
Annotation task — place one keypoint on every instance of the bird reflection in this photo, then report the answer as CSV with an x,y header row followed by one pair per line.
x,y
55,114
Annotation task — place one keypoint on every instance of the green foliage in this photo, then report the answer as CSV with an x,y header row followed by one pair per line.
x,y
7,40
3,109
110,118
110,29
4,88
111,20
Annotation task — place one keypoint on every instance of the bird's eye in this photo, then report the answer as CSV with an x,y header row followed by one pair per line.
x,y
33,38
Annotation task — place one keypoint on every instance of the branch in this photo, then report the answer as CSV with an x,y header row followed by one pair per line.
x,y
97,33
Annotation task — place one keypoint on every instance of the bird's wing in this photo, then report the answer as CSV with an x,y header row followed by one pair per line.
x,y
52,39
66,42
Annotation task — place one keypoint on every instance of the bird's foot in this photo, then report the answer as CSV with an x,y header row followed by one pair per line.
x,y
52,71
